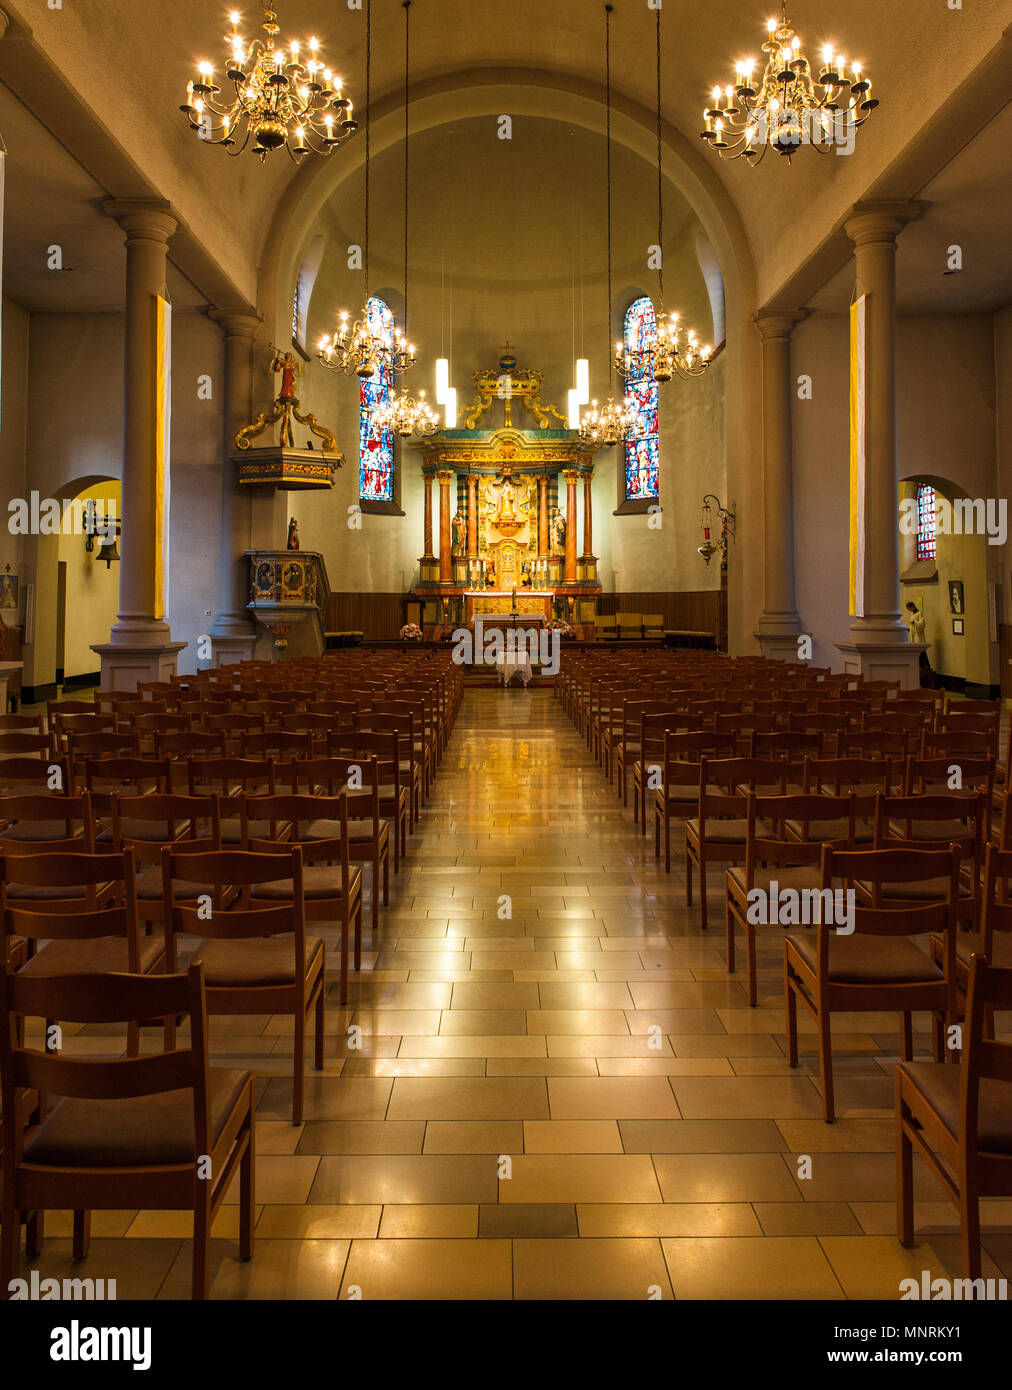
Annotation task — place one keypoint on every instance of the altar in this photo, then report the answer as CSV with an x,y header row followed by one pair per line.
x,y
489,603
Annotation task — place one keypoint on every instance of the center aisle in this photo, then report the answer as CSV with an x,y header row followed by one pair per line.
x,y
559,1092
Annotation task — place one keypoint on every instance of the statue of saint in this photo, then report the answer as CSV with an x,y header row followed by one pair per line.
x,y
559,531
293,534
459,534
507,501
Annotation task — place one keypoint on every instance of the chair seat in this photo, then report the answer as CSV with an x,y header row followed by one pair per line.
x,y
36,831
938,1083
254,960
868,960
149,887
919,890
820,831
141,1131
100,955
318,881
968,944
796,876
231,830
43,892
359,831
942,831
727,832
155,831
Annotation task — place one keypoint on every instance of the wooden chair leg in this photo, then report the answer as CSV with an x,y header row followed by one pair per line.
x,y
358,934
82,1234
201,1245
246,1197
688,878
904,1178
729,928
826,1066
386,879
35,1233
753,966
374,889
791,1007
907,1035
969,1223
299,1065
703,908
10,1246
321,995
344,964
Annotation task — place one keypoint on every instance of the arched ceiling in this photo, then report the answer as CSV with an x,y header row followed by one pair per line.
x,y
127,62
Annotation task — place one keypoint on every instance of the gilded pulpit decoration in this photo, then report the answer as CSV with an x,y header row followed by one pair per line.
x,y
286,408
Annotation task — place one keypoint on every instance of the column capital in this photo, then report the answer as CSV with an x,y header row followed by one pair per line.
x,y
149,218
880,223
774,326
445,476
237,322
572,476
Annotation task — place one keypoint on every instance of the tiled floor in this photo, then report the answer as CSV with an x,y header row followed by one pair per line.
x,y
559,1093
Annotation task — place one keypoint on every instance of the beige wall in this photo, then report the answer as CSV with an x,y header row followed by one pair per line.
x,y
92,587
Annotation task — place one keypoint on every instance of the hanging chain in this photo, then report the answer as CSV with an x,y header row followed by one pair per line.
x,y
368,68
407,68
607,79
660,188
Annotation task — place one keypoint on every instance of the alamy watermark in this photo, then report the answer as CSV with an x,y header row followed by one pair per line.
x,y
516,644
792,907
47,516
964,516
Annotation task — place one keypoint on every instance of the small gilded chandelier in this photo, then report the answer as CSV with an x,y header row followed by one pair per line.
x,y
362,349
789,107
663,354
614,422
406,416
279,98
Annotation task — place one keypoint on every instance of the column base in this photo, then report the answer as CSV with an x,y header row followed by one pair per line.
x,y
778,646
883,661
234,637
125,665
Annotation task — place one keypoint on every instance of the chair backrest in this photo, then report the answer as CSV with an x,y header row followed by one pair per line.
x,y
300,811
936,744
904,812
22,742
984,1058
100,999
186,743
276,742
997,910
229,775
785,743
84,916
171,813
223,871
879,868
71,814
22,723
87,746
112,776
44,774
954,773
800,811
867,776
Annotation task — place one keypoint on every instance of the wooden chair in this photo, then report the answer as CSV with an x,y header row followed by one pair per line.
x,y
34,775
145,824
866,778
717,832
121,1134
876,967
257,960
677,795
994,940
46,817
792,863
368,833
934,821
394,794
331,888
232,779
959,1119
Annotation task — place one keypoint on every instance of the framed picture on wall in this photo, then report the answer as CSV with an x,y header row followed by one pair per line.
x,y
956,596
9,587
957,627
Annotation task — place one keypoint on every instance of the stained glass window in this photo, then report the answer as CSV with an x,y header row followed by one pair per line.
x,y
376,446
925,521
642,450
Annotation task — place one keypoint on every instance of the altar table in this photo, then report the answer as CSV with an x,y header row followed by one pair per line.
x,y
529,602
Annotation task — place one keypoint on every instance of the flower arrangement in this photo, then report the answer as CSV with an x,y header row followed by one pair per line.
x,y
411,632
560,626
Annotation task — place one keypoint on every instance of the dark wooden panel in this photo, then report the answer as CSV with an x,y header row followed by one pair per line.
x,y
696,610
378,616
1005,657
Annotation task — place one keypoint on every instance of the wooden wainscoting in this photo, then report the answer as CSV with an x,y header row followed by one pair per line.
x,y
376,616
695,610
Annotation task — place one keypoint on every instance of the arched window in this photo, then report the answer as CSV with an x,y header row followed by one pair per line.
x,y
642,450
925,521
376,446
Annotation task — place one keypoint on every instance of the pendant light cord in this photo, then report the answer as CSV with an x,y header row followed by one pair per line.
x,y
407,68
368,113
660,187
607,78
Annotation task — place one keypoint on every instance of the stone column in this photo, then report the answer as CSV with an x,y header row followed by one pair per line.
x,y
779,623
445,477
878,645
571,476
544,541
140,646
428,553
472,517
234,634
588,516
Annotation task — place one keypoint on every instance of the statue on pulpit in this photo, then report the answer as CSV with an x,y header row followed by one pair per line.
x,y
558,529
458,534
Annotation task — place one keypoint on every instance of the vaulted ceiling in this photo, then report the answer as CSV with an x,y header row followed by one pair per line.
x,y
105,82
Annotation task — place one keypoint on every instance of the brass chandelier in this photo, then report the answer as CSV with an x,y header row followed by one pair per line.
x,y
789,106
357,349
405,415
666,355
281,99
611,423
